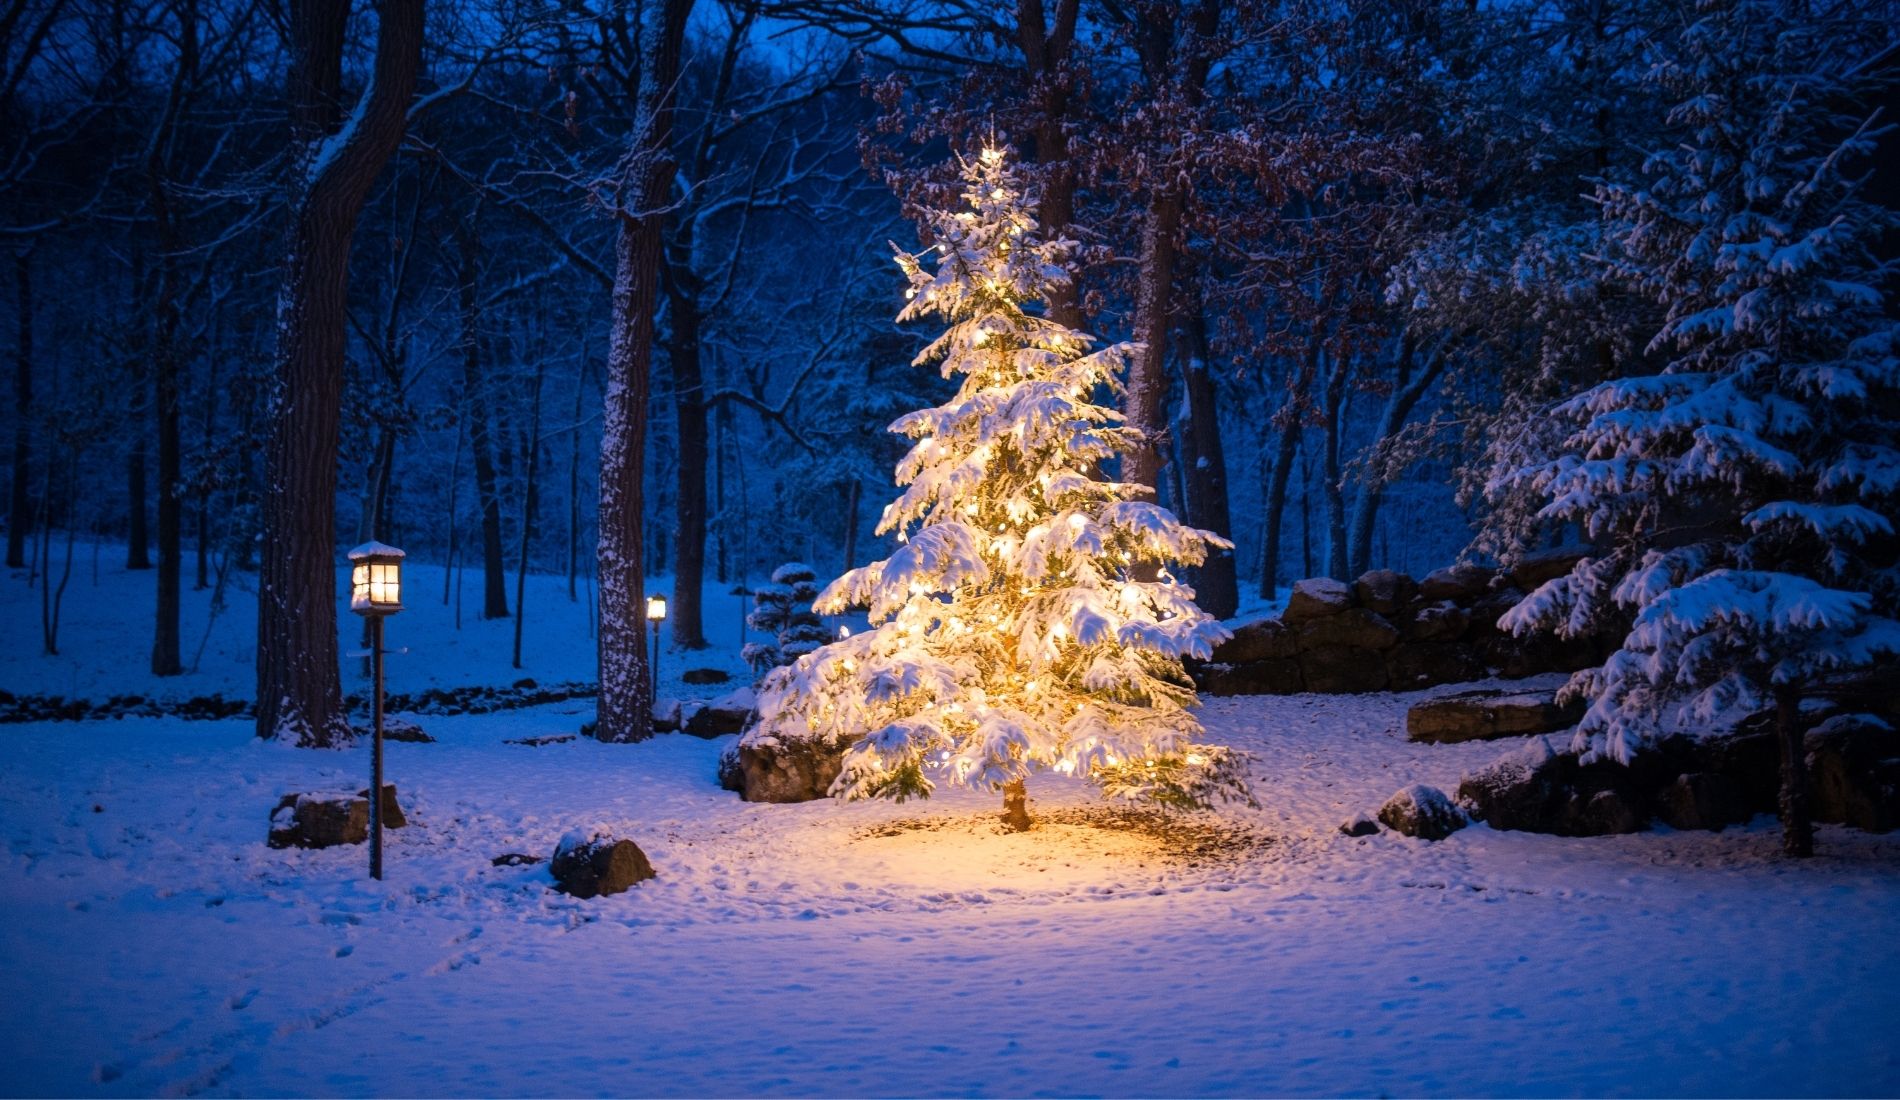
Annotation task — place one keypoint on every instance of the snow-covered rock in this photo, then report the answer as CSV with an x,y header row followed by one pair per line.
x,y
1316,598
1487,714
1421,811
594,863
319,820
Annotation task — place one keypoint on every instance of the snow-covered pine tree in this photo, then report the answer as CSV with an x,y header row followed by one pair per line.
x,y
1028,620
782,608
1747,492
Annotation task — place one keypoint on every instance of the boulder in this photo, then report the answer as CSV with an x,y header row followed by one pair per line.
x,y
1384,590
1486,609
319,820
393,817
666,716
705,676
1359,824
731,776
1486,715
595,865
1609,812
1260,640
1412,665
1354,627
1423,812
516,859
1854,772
727,714
1703,800
1341,670
774,770
1440,621
1316,598
1459,583
1534,654
1277,676
1534,569
402,729
545,739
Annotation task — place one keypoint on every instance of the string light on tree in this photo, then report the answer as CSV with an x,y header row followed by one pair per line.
x,y
1074,661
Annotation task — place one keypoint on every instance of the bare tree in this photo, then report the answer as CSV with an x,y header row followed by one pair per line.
x,y
299,696
642,183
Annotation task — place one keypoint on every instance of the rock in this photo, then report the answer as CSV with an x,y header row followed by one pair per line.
x,y
1514,791
516,859
393,817
1355,627
1265,677
1359,824
727,714
705,676
1486,715
1260,640
1854,772
1702,800
666,716
402,729
1384,590
731,776
536,742
1459,583
772,770
1485,612
1412,665
526,683
1341,670
1441,621
1423,812
319,820
1609,812
593,866
1751,761
1534,569
1537,653
1316,598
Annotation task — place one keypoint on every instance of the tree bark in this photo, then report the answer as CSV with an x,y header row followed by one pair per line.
x,y
480,440
1797,828
530,502
1145,402
1045,47
1217,587
624,711
20,503
1016,807
299,695
689,417
1333,425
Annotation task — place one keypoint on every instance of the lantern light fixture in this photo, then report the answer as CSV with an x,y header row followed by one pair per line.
x,y
376,579
656,608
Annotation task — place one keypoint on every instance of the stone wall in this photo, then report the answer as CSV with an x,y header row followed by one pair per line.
x,y
1388,632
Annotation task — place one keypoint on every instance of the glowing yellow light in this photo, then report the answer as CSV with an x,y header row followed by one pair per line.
x,y
999,194
1196,759
982,337
992,155
970,509
1078,521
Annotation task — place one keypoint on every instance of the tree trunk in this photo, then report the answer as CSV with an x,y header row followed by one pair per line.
x,y
1204,473
529,503
20,504
853,492
138,536
1045,49
1277,479
1144,401
166,657
574,484
299,696
1797,829
1015,807
480,440
624,711
1333,424
1408,389
689,414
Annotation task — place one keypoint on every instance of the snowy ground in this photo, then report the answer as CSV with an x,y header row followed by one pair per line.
x,y
151,943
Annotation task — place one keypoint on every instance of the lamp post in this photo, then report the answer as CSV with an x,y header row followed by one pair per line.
x,y
375,594
656,614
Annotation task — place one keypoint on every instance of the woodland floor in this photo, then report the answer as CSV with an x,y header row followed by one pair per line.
x,y
151,944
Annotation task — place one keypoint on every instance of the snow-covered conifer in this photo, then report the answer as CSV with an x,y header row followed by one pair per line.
x,y
782,609
1747,491
1028,620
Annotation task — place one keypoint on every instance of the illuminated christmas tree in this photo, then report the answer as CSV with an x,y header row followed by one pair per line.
x,y
1028,620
